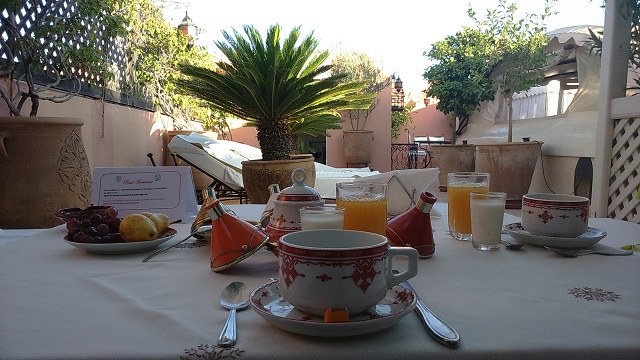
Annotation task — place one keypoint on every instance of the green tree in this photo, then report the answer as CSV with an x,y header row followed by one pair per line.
x,y
518,48
156,48
359,66
401,118
630,9
278,86
460,77
500,52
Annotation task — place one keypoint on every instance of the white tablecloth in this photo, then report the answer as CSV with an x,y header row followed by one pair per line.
x,y
58,302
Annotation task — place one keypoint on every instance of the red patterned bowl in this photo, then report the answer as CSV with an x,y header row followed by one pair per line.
x,y
555,214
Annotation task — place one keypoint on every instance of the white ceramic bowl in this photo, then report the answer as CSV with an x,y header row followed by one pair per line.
x,y
555,214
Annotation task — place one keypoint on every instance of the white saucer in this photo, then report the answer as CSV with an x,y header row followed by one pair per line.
x,y
125,247
592,236
268,303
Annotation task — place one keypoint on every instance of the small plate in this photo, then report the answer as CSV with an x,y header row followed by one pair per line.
x,y
592,236
125,247
268,303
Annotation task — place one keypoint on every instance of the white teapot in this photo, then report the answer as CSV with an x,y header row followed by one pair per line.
x,y
286,207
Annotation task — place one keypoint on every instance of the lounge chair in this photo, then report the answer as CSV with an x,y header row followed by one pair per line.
x,y
222,161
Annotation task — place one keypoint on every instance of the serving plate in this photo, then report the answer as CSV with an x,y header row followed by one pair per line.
x,y
125,247
267,302
590,237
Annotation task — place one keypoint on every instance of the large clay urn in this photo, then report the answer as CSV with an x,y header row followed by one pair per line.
x,y
358,146
43,168
511,166
258,175
453,158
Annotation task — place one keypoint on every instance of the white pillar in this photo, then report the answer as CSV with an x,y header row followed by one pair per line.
x,y
613,81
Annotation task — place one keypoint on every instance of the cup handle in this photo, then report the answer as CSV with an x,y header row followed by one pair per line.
x,y
412,266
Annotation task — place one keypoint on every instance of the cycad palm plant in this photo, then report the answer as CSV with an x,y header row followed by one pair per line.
x,y
279,88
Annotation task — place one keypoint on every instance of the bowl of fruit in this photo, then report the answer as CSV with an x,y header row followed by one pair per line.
x,y
99,230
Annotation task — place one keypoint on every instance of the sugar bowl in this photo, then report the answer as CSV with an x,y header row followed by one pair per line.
x,y
286,207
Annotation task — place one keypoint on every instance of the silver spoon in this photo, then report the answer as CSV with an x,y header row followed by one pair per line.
x,y
511,246
232,298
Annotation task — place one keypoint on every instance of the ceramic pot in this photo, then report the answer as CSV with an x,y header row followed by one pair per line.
x,y
43,168
357,146
258,175
511,166
453,158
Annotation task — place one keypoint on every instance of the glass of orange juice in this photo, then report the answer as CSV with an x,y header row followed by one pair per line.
x,y
365,206
459,186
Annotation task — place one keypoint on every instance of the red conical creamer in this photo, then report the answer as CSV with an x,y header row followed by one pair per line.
x,y
413,227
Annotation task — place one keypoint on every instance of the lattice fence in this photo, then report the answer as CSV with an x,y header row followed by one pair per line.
x,y
121,67
625,162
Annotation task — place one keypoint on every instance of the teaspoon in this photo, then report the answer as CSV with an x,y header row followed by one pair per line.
x,y
511,246
232,298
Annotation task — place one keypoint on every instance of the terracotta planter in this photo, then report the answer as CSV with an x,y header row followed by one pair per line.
x,y
43,168
357,146
453,158
257,175
511,166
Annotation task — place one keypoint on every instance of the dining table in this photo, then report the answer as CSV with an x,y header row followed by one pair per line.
x,y
61,302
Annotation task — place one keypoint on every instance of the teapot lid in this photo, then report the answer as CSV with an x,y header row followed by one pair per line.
x,y
299,191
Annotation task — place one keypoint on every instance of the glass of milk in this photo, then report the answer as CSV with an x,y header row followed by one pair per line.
x,y
322,217
487,212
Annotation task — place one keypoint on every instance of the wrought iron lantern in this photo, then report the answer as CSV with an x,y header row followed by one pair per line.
x,y
397,93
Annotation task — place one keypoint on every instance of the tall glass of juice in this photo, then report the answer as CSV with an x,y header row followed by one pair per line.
x,y
365,206
459,186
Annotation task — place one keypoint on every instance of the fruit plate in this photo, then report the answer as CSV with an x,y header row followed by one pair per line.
x,y
125,247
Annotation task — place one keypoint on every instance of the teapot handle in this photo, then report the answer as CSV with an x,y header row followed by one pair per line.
x,y
3,149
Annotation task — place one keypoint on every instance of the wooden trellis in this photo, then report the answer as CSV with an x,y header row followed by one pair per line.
x,y
625,160
26,17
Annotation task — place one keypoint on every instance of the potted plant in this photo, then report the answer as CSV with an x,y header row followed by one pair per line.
x,y
460,81
43,164
519,56
360,67
281,88
503,53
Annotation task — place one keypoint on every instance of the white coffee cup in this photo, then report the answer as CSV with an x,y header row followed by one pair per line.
x,y
555,214
339,269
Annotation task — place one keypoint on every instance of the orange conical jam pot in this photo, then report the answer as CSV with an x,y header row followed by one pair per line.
x,y
232,239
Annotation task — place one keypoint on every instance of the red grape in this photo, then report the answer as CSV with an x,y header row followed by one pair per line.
x,y
102,229
111,212
95,219
72,224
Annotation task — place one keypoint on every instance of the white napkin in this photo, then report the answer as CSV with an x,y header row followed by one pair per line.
x,y
404,187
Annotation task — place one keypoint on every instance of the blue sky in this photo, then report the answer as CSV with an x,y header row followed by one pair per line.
x,y
394,33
